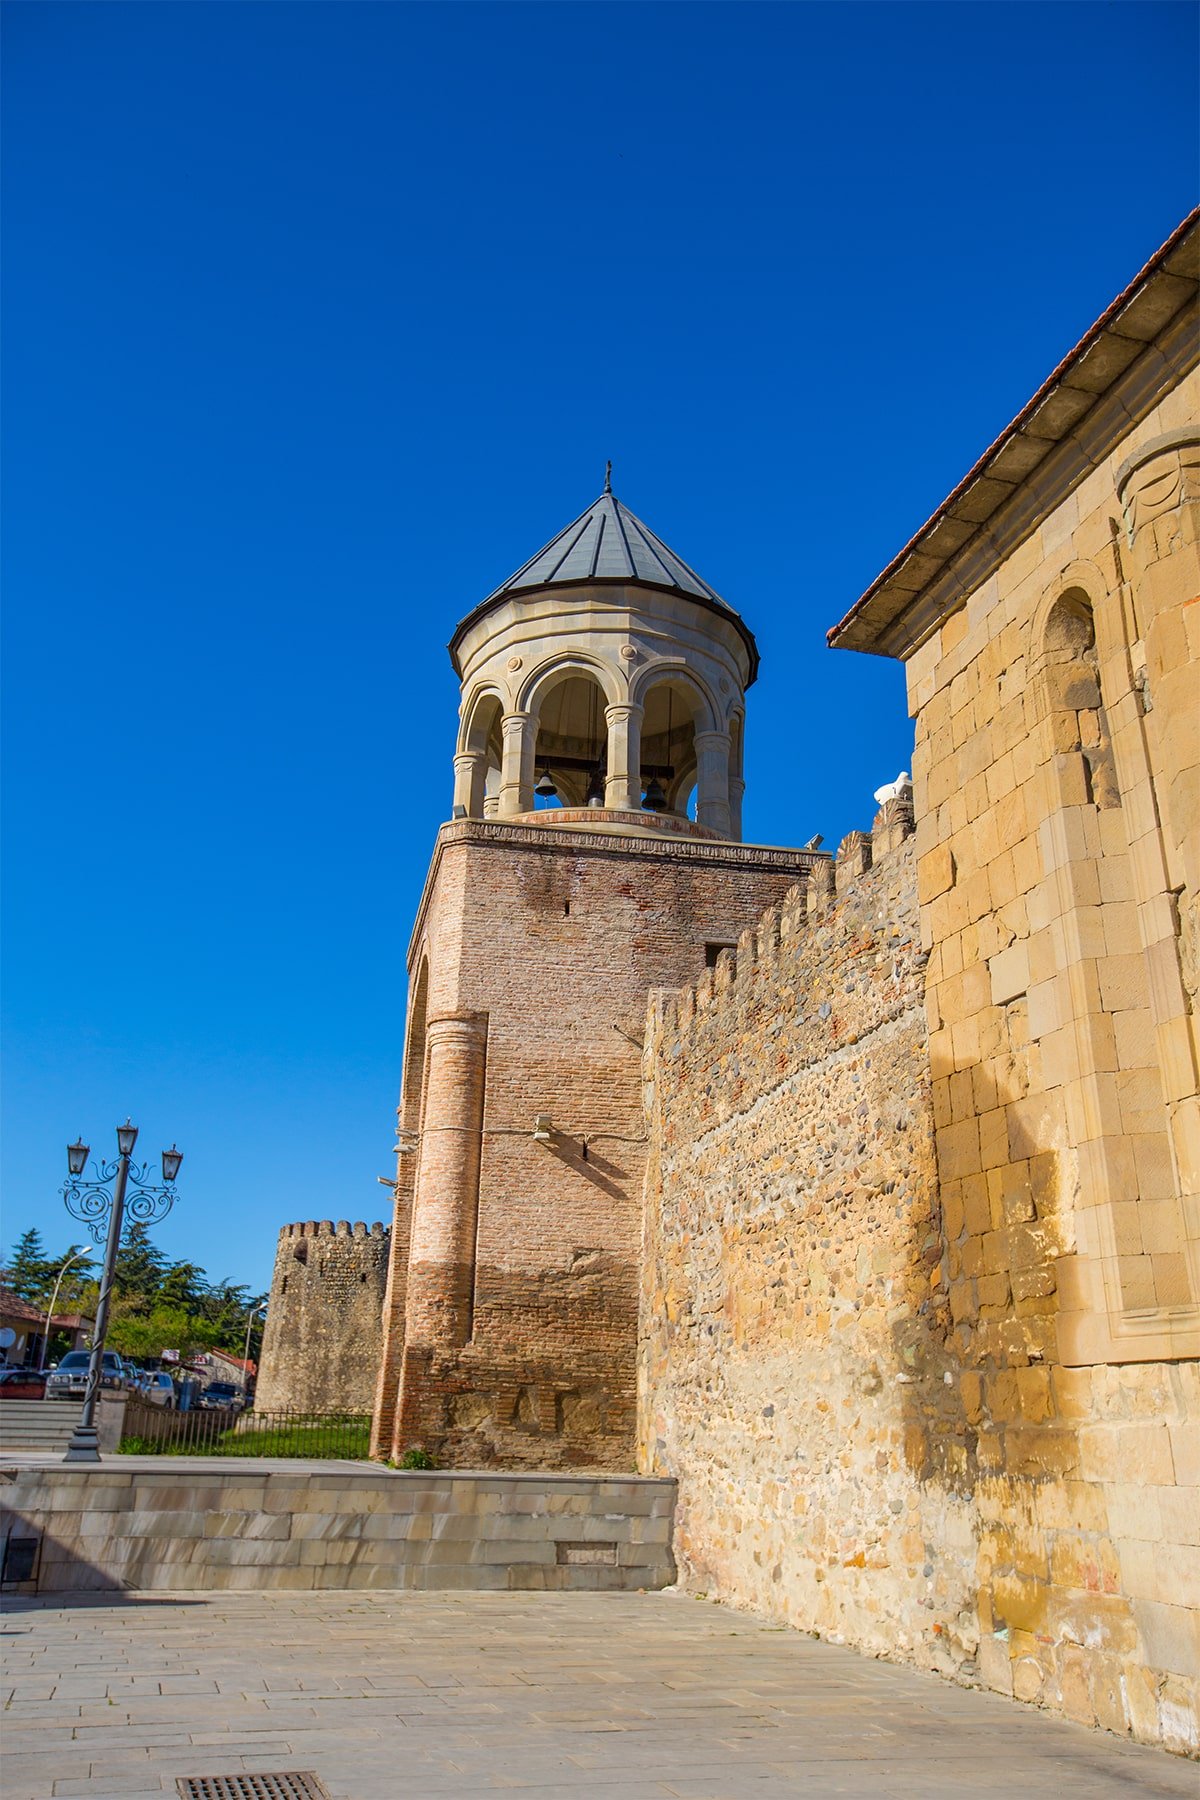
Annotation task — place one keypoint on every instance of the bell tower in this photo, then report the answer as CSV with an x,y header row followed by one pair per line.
x,y
593,853
605,675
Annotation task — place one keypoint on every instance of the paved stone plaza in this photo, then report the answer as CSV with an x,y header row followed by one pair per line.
x,y
644,1697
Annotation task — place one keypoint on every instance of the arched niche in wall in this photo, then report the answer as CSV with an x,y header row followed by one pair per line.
x,y
1129,1291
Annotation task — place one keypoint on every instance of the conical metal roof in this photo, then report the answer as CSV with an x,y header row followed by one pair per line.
x,y
609,543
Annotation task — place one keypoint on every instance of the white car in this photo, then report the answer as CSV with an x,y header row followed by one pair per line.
x,y
158,1389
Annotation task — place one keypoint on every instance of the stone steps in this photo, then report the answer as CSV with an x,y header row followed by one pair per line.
x,y
46,1425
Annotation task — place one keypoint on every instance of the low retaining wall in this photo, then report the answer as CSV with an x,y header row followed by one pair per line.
x,y
183,1524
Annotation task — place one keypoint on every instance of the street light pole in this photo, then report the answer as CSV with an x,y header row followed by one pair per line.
x,y
85,1439
76,1257
254,1311
92,1202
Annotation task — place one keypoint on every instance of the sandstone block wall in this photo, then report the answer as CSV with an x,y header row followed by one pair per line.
x,y
796,1374
324,1332
512,1309
1057,785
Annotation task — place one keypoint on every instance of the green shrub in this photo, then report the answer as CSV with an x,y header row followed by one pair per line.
x,y
415,1459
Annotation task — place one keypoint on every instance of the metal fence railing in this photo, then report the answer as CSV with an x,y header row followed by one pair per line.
x,y
158,1431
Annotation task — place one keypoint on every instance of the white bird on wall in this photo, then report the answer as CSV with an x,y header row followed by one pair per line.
x,y
894,788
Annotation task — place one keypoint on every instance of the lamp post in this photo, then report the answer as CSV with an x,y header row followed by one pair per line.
x,y
77,1256
93,1204
257,1311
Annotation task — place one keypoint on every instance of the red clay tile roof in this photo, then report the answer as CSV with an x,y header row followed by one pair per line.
x,y
13,1307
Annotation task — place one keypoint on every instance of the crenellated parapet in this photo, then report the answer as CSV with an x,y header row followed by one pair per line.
x,y
783,935
313,1228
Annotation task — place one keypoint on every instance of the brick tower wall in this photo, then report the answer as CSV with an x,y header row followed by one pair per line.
x,y
323,1334
512,1316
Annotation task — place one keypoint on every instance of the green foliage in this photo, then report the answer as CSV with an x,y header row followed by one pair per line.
x,y
164,1327
33,1275
415,1459
345,1437
157,1304
141,1266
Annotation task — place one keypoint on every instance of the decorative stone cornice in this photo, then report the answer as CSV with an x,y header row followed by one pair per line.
x,y
498,834
1162,476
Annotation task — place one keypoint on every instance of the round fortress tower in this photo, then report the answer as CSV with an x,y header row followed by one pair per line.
x,y
320,1350
606,680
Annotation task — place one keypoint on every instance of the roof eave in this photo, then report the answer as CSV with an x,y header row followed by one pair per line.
x,y
890,618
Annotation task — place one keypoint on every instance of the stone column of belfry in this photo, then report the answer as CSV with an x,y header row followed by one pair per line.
x,y
623,783
737,789
519,731
441,1257
470,770
712,781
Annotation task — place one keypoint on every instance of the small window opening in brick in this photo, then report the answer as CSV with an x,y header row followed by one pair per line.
x,y
283,1285
300,1253
566,909
362,1278
712,951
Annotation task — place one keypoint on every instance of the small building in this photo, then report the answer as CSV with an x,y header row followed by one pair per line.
x,y
219,1365
28,1322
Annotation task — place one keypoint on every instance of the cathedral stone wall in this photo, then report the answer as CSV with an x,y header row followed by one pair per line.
x,y
321,1342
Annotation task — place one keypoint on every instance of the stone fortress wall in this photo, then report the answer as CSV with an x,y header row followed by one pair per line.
x,y
796,1366
321,1342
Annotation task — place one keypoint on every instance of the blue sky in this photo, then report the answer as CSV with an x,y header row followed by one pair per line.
x,y
321,319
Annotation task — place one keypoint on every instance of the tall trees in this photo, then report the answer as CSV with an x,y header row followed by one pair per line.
x,y
157,1304
27,1266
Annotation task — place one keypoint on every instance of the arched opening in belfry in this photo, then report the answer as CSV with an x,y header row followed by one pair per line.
x,y
669,763
483,745
571,754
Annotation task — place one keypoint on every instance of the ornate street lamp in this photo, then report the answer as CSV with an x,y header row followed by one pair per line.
x,y
103,1213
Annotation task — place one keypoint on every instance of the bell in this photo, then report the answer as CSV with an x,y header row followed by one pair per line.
x,y
595,792
654,800
545,789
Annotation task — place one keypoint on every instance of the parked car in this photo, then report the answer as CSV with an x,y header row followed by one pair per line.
x,y
22,1384
222,1396
69,1380
157,1389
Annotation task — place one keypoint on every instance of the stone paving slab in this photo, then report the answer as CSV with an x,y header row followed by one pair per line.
x,y
399,1696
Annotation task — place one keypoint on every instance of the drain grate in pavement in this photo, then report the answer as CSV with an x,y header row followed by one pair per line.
x,y
287,1784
